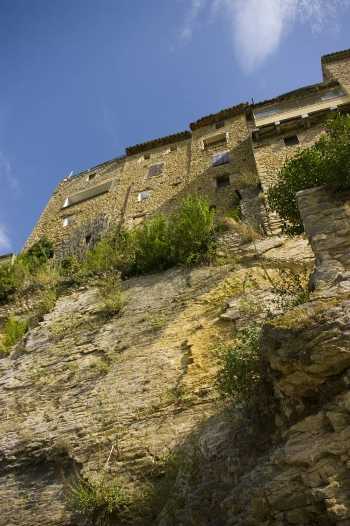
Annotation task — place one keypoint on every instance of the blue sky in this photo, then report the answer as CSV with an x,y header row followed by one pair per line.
x,y
83,79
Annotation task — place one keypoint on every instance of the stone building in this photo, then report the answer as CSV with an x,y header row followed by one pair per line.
x,y
231,157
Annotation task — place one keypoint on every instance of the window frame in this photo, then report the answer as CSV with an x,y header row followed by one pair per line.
x,y
224,155
292,143
141,198
222,177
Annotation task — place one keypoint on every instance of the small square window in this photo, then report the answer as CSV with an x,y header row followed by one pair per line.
x,y
222,181
67,221
219,124
221,158
291,140
155,169
147,156
173,147
91,176
142,196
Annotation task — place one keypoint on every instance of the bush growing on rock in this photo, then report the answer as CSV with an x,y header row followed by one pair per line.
x,y
327,162
185,237
240,370
14,330
98,503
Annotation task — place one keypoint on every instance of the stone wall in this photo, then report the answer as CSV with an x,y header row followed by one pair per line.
x,y
271,154
186,161
186,168
338,68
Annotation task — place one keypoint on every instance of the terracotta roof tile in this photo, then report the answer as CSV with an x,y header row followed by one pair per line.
x,y
222,114
168,139
338,55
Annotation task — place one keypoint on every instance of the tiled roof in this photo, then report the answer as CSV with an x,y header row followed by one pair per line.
x,y
305,90
338,55
223,114
168,139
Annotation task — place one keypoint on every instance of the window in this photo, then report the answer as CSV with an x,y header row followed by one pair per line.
x,y
147,156
142,196
173,147
291,140
219,124
67,221
91,176
215,140
88,239
221,158
155,169
89,193
222,181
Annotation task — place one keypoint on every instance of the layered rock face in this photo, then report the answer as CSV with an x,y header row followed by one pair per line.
x,y
85,396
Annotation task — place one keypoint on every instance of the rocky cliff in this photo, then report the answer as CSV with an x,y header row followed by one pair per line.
x,y
134,397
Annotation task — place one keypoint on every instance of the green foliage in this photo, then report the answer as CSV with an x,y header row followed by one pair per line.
x,y
184,237
291,287
111,293
38,253
152,243
240,370
327,162
98,503
14,330
192,230
8,282
20,274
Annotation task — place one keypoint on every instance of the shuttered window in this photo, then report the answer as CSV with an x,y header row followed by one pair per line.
x,y
221,158
155,169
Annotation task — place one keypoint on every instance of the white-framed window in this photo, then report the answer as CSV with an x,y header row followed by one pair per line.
x,y
221,158
142,196
89,193
67,221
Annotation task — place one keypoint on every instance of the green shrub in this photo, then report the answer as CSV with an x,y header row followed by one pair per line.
x,y
192,230
327,162
111,293
240,370
8,282
99,503
291,285
14,330
184,237
38,253
152,244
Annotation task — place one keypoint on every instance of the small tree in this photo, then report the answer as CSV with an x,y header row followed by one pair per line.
x,y
327,162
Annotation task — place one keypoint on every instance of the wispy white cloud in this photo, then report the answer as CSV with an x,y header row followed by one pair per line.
x,y
5,243
259,26
7,178
191,16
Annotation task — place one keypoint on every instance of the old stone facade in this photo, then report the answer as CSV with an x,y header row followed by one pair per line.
x,y
230,157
